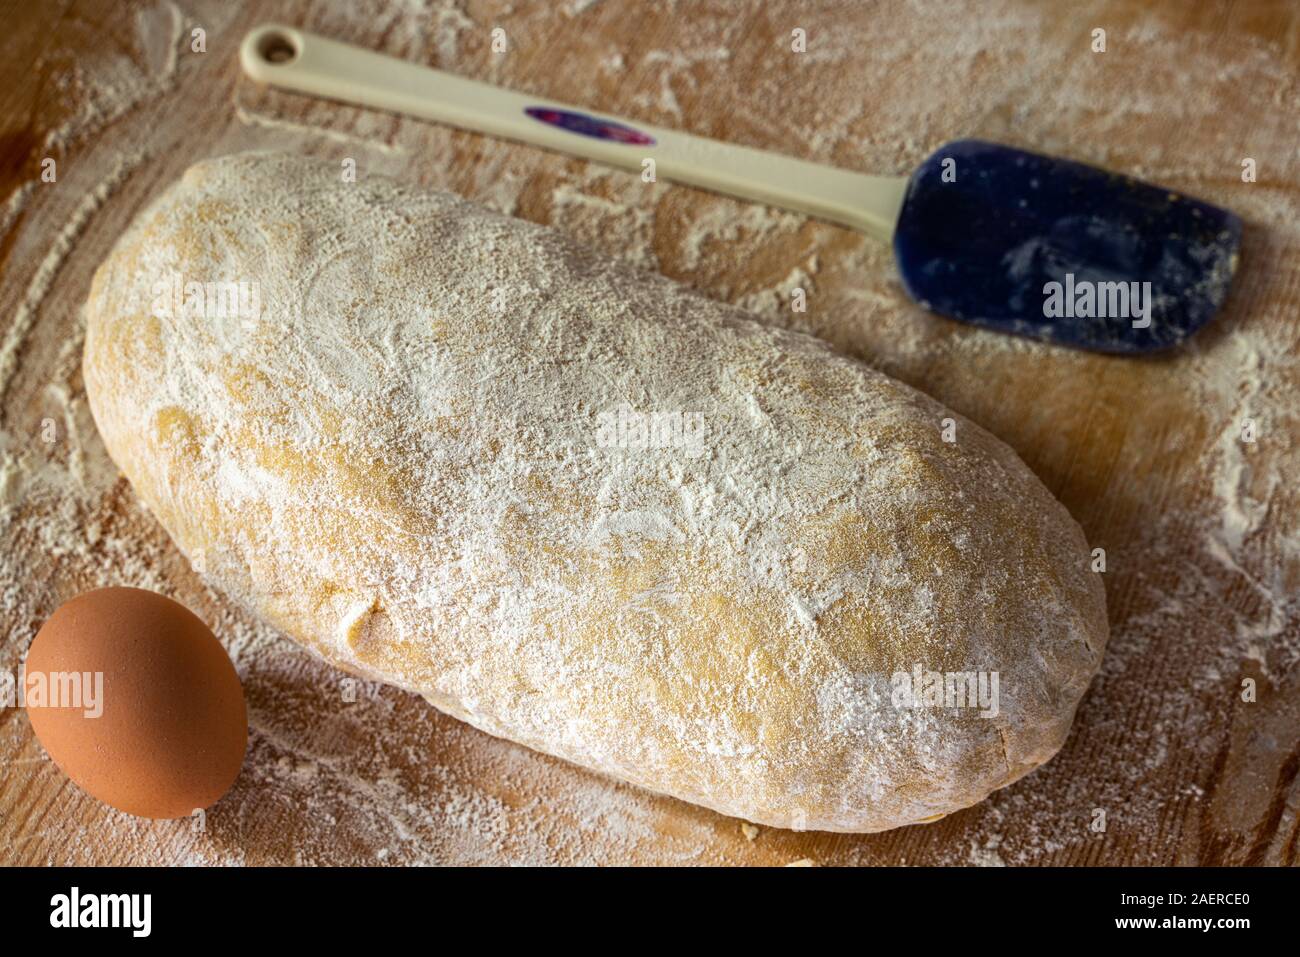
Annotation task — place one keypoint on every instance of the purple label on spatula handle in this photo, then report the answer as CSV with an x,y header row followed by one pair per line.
x,y
592,126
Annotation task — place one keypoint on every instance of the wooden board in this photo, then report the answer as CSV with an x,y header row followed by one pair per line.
x,y
1182,468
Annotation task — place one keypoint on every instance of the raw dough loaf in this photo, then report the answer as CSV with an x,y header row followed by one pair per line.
x,y
404,463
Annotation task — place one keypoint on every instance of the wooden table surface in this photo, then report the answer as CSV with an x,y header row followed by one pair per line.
x,y
1183,468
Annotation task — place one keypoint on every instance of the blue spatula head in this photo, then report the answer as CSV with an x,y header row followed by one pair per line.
x,y
1043,247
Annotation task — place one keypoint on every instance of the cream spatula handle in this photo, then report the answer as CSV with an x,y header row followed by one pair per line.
x,y
295,60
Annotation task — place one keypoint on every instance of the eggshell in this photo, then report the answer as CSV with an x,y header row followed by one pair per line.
x,y
173,730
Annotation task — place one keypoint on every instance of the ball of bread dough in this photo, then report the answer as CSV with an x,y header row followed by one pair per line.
x,y
583,507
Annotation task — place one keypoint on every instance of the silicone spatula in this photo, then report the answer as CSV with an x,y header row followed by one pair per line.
x,y
990,235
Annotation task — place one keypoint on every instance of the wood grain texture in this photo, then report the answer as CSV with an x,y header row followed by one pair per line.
x,y
1199,526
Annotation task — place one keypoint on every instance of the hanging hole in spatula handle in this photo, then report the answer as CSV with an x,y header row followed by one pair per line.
x,y
268,48
276,48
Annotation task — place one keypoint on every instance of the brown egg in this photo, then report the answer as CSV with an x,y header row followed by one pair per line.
x,y
172,732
